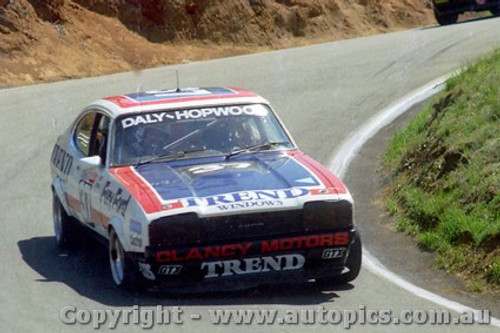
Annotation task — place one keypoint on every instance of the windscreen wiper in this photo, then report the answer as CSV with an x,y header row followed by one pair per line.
x,y
266,145
169,156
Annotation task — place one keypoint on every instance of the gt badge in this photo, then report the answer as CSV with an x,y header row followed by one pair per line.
x,y
170,270
333,253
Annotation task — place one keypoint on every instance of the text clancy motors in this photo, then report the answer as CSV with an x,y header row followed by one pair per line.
x,y
249,248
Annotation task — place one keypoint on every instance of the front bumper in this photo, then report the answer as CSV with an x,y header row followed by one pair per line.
x,y
248,263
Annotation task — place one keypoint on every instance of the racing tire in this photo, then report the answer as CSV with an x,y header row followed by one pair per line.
x,y
64,225
124,271
353,263
446,19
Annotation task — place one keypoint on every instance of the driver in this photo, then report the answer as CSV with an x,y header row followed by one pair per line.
x,y
229,134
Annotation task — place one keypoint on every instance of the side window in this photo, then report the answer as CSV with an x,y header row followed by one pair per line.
x,y
100,140
83,133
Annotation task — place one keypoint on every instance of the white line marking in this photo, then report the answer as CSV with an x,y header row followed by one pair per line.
x,y
348,150
376,267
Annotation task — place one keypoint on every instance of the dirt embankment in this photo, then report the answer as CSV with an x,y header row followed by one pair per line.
x,y
45,40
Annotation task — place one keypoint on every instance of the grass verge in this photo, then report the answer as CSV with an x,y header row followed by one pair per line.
x,y
443,174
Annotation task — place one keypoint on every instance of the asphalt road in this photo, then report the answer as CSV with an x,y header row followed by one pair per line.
x,y
323,93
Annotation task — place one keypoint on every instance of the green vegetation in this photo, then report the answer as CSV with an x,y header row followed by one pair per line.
x,y
444,175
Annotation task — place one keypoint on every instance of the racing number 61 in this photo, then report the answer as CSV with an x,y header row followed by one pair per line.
x,y
84,189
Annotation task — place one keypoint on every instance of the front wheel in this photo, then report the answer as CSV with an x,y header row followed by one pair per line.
x,y
124,271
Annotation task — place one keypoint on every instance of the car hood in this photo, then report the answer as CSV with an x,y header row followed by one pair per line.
x,y
248,182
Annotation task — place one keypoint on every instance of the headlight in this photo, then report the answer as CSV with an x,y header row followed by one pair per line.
x,y
324,215
175,230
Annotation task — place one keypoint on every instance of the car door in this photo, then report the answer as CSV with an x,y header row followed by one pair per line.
x,y
90,145
96,178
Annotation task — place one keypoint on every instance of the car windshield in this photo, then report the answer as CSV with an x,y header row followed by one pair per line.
x,y
198,132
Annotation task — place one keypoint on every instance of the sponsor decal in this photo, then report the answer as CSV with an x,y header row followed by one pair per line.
x,y
135,227
208,252
170,270
307,242
115,200
333,253
226,268
222,111
61,160
207,168
234,110
262,247
150,118
135,241
84,190
247,199
248,204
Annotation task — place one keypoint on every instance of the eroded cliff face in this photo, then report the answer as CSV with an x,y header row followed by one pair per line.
x,y
258,21
54,39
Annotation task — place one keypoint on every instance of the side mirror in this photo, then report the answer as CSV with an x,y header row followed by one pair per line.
x,y
92,161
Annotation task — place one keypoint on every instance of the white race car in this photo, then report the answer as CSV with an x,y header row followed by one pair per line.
x,y
201,187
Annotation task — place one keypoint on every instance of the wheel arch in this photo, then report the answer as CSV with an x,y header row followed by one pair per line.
x,y
57,189
116,224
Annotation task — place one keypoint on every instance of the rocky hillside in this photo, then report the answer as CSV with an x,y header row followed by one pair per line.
x,y
44,40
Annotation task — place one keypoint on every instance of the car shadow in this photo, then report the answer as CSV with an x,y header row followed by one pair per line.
x,y
85,269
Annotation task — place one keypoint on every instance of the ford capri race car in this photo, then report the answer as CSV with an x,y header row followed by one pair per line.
x,y
201,187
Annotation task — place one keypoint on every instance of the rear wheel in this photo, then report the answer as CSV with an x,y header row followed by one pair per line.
x,y
64,226
446,19
123,269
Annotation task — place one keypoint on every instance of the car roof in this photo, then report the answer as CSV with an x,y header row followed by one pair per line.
x,y
176,98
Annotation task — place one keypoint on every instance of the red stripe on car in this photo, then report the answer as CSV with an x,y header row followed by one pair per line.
x,y
138,188
74,203
100,218
127,102
328,179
